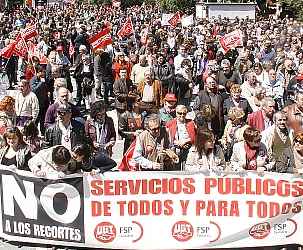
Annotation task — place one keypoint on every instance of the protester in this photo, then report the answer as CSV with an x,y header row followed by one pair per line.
x,y
31,137
7,113
86,161
53,160
99,129
14,152
168,111
204,155
130,123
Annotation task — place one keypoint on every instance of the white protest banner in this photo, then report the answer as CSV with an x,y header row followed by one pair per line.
x,y
186,21
155,210
165,18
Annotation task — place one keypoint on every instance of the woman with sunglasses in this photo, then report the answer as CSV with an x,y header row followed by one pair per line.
x,y
130,123
204,155
254,156
84,160
30,70
291,159
182,135
14,152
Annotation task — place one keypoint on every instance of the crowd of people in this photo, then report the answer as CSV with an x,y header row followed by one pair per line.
x,y
182,102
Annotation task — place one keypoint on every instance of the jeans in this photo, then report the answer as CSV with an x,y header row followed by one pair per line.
x,y
108,87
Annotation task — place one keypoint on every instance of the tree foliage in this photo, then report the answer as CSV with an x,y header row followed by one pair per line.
x,y
296,6
184,7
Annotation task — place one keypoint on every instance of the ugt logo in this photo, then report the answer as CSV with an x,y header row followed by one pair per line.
x,y
105,232
182,231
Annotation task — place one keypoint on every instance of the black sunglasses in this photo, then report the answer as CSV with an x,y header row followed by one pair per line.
x,y
62,113
181,113
155,129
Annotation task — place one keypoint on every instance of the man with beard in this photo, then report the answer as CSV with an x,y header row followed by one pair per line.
x,y
262,119
209,95
227,74
278,136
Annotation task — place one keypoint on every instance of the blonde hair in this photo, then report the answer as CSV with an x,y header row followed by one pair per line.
x,y
181,108
208,110
235,113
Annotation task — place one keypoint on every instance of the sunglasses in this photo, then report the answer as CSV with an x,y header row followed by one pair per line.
x,y
181,113
257,141
155,129
62,113
297,141
11,130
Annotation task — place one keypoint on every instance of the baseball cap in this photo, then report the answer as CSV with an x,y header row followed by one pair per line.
x,y
59,48
65,108
170,97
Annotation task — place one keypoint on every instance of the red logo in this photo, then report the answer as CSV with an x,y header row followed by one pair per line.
x,y
182,231
149,148
105,232
260,230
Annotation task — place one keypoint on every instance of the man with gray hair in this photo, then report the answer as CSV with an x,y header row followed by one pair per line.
x,y
278,136
227,74
262,119
151,144
295,113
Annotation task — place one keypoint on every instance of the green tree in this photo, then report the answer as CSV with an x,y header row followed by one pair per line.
x,y
184,7
296,6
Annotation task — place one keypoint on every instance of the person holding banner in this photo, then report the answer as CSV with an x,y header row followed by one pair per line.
x,y
14,152
254,156
86,161
53,160
204,155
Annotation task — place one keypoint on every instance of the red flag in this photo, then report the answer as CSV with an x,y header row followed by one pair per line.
x,y
175,19
232,39
127,29
103,38
116,4
20,47
127,163
34,51
29,32
144,35
71,50
7,51
134,9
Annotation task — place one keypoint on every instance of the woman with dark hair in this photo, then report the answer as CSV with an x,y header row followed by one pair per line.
x,y
31,137
86,161
52,160
204,155
251,154
209,119
14,152
130,123
30,69
7,113
99,129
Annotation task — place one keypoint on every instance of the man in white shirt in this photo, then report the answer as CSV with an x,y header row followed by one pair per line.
x,y
27,103
138,70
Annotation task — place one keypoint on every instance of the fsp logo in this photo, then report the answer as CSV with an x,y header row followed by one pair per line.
x,y
105,232
182,231
260,230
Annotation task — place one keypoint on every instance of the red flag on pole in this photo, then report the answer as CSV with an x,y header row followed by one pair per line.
x,y
71,50
127,29
127,163
20,47
35,51
175,19
232,39
144,35
116,4
103,38
7,51
29,32
134,9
